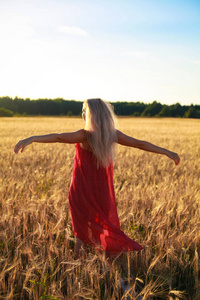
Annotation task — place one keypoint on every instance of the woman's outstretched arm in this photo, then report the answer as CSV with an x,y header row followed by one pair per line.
x,y
68,137
126,140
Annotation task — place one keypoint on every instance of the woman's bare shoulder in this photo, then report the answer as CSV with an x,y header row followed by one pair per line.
x,y
72,137
85,142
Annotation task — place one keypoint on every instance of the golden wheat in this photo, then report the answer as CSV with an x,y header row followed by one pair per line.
x,y
158,206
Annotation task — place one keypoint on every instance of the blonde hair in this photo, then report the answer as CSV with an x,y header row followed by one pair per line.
x,y
100,130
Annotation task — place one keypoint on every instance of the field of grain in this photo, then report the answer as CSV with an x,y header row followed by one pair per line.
x,y
158,205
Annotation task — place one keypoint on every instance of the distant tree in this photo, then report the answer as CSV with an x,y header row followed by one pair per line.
x,y
128,108
69,113
136,114
152,109
4,112
165,111
192,113
177,110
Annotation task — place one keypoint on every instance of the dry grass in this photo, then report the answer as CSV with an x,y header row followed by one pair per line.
x,y
158,206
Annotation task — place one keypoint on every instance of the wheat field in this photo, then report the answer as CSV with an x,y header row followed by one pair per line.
x,y
158,206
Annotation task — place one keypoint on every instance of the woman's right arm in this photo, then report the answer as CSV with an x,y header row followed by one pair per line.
x,y
68,137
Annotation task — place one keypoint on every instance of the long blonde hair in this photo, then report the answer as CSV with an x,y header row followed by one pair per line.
x,y
100,130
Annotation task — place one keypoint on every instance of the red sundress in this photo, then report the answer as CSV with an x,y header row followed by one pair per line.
x,y
93,206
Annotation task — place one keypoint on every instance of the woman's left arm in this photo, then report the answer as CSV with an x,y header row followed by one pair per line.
x,y
126,140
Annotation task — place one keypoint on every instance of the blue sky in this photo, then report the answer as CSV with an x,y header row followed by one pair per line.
x,y
121,50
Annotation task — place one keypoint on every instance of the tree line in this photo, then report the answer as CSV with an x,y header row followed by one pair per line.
x,y
60,106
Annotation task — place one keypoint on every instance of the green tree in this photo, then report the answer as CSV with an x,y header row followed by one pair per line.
x,y
69,113
192,113
165,112
152,109
177,110
4,112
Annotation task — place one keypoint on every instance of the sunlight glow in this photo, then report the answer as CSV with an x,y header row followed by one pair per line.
x,y
77,51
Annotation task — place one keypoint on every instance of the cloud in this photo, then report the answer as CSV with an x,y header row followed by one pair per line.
x,y
73,30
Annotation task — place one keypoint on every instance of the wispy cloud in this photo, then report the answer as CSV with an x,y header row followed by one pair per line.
x,y
73,30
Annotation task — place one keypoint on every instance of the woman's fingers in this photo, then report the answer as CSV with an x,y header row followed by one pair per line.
x,y
176,159
19,146
16,149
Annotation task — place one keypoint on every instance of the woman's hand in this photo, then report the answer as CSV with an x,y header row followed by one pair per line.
x,y
22,144
174,156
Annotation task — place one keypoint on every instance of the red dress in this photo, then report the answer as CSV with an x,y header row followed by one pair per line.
x,y
93,206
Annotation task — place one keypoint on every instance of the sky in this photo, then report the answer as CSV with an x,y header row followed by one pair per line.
x,y
117,50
